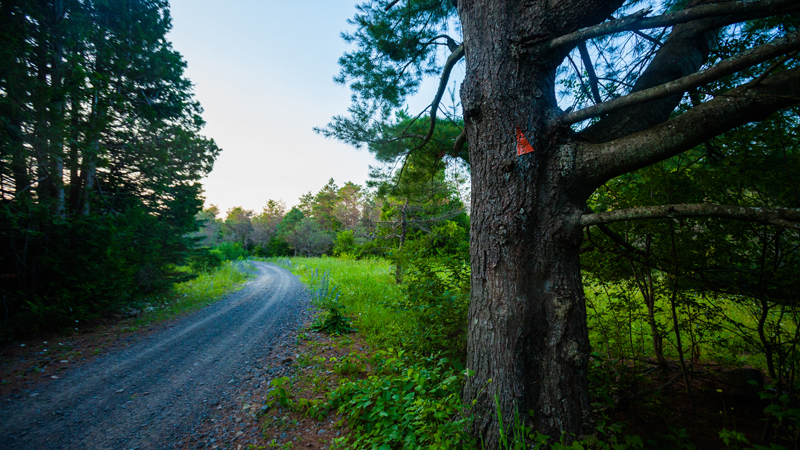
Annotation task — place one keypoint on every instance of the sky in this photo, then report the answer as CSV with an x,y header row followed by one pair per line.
x,y
263,72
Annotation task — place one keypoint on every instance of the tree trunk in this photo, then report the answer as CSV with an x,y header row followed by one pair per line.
x,y
528,340
648,292
398,268
57,113
88,178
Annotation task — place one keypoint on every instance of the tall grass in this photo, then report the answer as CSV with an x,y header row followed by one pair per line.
x,y
365,288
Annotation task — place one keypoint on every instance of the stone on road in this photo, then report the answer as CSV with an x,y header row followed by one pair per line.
x,y
150,394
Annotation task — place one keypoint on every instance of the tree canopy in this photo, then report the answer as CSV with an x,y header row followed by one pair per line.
x,y
101,155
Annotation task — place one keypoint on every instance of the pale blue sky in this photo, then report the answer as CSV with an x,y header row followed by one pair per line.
x,y
263,72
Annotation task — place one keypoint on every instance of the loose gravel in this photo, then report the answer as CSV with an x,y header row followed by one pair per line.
x,y
160,392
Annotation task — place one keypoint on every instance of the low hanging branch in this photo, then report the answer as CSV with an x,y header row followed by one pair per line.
x,y
455,56
743,60
783,217
639,21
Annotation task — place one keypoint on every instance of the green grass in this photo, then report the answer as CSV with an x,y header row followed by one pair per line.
x,y
194,294
365,289
617,319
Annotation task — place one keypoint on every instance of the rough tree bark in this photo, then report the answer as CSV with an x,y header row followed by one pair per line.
x,y
528,342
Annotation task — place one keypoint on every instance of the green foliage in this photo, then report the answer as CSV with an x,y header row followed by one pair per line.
x,y
91,266
204,259
407,406
345,245
231,251
436,287
101,160
324,296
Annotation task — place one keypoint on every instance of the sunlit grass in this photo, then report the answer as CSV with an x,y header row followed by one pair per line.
x,y
194,294
617,318
366,287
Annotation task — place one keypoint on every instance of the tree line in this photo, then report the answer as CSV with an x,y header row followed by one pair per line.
x,y
101,158
352,221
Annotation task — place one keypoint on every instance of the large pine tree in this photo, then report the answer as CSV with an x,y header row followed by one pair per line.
x,y
528,342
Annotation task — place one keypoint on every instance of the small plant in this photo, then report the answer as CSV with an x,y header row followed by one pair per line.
x,y
278,393
349,365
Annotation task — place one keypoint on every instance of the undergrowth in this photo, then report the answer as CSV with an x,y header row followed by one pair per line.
x,y
408,394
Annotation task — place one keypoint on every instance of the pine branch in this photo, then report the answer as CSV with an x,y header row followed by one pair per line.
x,y
454,57
743,60
639,21
783,217
597,163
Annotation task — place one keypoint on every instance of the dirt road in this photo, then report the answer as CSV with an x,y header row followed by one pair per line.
x,y
151,394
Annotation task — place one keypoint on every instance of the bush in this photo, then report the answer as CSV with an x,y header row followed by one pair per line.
x,y
231,251
204,259
406,406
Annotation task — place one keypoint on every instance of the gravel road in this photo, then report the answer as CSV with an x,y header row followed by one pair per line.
x,y
153,393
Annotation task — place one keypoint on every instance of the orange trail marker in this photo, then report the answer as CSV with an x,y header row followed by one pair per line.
x,y
523,147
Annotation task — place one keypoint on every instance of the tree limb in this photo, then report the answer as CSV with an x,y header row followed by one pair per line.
x,y
783,217
458,146
683,53
454,57
639,21
587,63
598,163
747,58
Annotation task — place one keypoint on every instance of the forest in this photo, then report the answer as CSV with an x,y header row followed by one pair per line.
x,y
101,160
596,244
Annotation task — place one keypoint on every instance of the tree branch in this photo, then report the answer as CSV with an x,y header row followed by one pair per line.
x,y
598,163
638,21
587,63
747,58
454,57
458,146
684,52
783,217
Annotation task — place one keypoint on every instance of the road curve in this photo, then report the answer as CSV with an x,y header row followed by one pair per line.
x,y
150,394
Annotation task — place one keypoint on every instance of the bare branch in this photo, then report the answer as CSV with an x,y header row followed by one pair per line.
x,y
587,63
598,163
743,60
783,217
647,37
454,57
389,6
639,21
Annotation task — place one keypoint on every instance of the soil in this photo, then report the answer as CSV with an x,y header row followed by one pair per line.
x,y
156,389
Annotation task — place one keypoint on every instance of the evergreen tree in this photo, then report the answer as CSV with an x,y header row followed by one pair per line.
x,y
534,165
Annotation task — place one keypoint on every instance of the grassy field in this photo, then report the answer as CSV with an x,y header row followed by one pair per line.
x,y
366,289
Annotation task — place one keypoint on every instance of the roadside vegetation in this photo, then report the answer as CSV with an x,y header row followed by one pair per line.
x,y
395,378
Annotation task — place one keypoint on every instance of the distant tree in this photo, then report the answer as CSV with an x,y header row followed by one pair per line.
x,y
323,210
307,238
306,204
349,206
238,225
210,232
265,224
